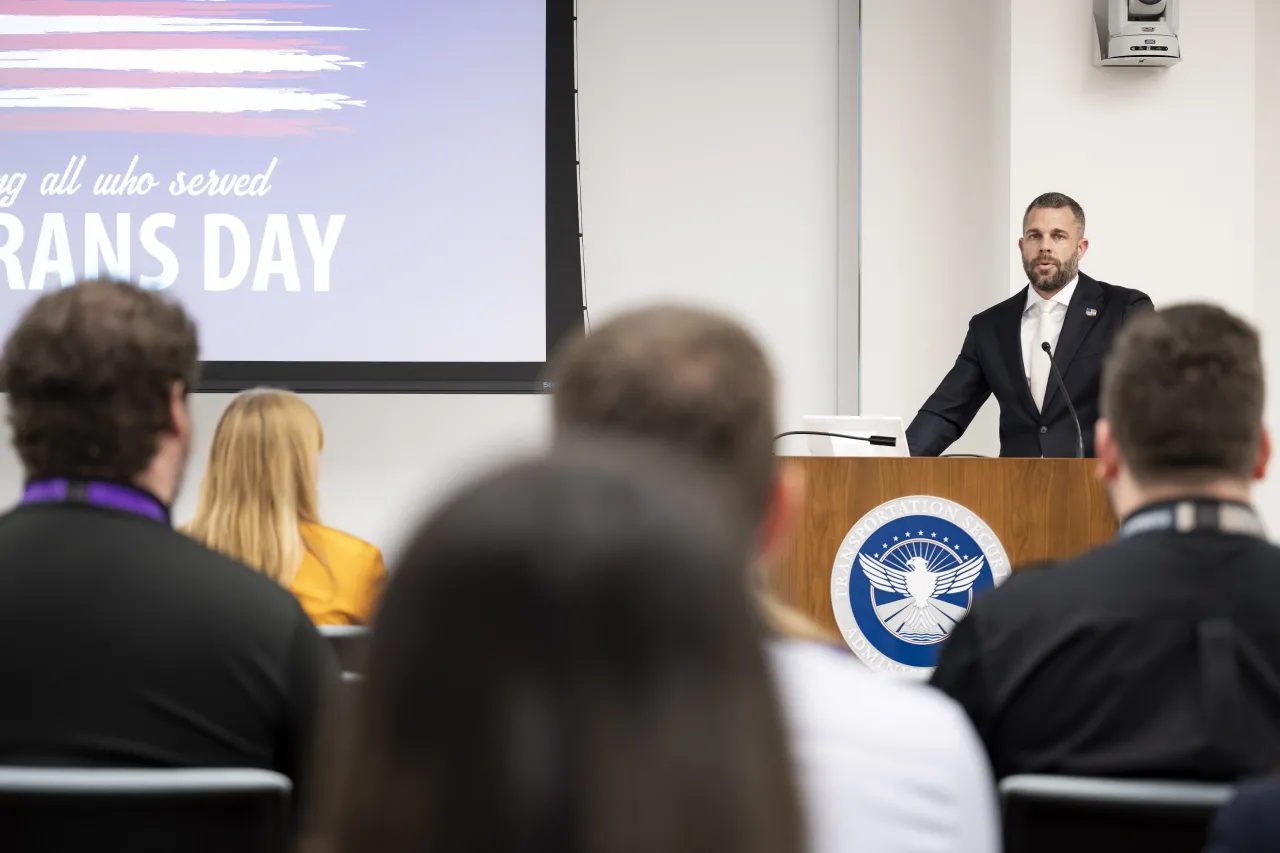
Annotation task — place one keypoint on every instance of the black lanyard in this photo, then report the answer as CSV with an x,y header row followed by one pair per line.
x,y
94,493
1194,516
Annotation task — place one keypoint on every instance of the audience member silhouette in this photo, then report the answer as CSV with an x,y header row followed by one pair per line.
x,y
1156,654
258,503
566,660
884,765
122,642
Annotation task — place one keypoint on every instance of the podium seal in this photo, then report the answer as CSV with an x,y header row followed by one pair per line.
x,y
905,574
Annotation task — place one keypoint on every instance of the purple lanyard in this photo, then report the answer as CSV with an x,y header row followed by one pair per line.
x,y
109,495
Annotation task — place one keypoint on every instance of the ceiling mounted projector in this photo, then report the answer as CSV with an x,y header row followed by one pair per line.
x,y
1136,32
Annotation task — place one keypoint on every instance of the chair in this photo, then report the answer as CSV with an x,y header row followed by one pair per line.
x,y
1048,814
350,643
108,810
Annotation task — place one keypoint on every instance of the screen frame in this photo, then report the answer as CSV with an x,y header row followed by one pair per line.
x,y
564,305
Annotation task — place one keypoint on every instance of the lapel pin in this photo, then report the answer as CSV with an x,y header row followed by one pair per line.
x,y
1091,312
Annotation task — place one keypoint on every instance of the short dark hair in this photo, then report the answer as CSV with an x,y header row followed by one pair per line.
x,y
1184,392
89,371
1053,201
687,378
553,640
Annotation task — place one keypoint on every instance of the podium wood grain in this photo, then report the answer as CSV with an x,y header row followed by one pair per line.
x,y
1041,509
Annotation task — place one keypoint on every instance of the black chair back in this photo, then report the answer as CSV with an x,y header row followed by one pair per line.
x,y
1049,814
113,811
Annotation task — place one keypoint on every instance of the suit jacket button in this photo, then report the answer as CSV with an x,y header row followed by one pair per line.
x,y
1044,430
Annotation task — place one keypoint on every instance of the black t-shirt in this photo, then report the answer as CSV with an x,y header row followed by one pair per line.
x,y
123,643
1157,655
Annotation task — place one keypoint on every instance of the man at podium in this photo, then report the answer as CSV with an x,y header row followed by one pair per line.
x,y
1003,352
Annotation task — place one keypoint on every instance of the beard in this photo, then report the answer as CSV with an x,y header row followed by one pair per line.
x,y
1056,279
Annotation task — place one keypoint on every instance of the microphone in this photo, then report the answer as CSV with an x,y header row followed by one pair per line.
x,y
877,440
1062,386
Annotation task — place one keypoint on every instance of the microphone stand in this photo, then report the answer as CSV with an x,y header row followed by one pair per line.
x,y
1062,386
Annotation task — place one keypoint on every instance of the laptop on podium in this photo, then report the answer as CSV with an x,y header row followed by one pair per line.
x,y
863,428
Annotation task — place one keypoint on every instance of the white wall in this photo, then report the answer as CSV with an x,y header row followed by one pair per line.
x,y
708,135
1266,226
708,143
934,196
1161,159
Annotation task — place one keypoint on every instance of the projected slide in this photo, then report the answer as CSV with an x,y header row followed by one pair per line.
x,y
316,180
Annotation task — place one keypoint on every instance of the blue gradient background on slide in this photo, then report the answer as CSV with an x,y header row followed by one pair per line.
x,y
441,177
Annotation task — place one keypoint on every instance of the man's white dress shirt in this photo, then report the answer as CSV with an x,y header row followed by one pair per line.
x,y
1056,315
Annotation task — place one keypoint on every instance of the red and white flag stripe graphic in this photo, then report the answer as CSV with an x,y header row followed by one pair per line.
x,y
188,66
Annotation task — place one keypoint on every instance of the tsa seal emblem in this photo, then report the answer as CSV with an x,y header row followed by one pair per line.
x,y
905,574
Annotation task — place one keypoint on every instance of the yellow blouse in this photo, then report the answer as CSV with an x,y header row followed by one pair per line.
x,y
347,592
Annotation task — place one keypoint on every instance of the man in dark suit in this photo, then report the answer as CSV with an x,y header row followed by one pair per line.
x,y
1077,316
122,642
1157,654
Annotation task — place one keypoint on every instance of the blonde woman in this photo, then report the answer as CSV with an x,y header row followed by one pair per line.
x,y
257,504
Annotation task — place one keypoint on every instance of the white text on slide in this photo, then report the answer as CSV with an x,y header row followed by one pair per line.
x,y
231,251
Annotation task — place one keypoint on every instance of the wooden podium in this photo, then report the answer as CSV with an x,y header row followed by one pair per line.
x,y
1038,508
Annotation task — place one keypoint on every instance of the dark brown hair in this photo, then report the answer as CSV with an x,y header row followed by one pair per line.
x,y
686,378
567,661
1053,201
89,371
1183,390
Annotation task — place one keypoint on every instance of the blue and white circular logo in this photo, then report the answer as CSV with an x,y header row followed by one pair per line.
x,y
905,574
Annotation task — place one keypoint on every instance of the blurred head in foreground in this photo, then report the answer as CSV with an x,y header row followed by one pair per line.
x,y
259,486
1182,403
97,377
567,660
701,385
